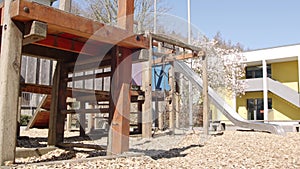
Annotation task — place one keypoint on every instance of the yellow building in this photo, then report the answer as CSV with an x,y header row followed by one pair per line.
x,y
272,85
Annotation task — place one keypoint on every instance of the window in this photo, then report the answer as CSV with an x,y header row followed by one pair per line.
x,y
257,72
255,108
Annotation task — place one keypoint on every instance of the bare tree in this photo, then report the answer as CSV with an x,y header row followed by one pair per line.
x,y
106,11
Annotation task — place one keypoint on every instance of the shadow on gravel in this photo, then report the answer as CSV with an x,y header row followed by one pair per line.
x,y
27,142
69,154
38,142
172,153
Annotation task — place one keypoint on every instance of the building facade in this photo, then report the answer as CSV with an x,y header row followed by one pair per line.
x,y
272,85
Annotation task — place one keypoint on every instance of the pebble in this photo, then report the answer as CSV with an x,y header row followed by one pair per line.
x,y
233,149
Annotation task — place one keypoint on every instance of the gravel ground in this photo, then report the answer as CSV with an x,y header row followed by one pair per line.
x,y
233,149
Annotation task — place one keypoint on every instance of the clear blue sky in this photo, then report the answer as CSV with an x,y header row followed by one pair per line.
x,y
254,23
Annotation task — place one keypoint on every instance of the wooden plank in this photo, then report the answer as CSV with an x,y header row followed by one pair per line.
x,y
36,113
118,137
60,21
10,65
41,120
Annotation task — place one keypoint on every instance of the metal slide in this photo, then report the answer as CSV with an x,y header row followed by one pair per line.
x,y
221,104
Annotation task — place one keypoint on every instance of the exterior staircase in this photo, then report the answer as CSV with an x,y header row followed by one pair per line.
x,y
275,87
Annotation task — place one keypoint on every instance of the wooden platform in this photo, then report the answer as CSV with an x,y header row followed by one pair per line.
x,y
60,22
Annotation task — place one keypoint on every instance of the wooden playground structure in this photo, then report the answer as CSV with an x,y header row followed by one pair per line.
x,y
79,44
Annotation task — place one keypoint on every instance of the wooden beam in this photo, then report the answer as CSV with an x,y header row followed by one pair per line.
x,y
10,65
90,66
46,52
119,122
91,76
170,58
86,111
71,92
60,21
96,59
80,94
175,42
58,103
70,45
126,14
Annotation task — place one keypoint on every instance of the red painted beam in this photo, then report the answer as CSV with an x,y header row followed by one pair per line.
x,y
71,45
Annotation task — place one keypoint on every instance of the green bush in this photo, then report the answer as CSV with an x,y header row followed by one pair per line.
x,y
24,120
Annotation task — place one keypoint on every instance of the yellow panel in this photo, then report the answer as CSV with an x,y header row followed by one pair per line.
x,y
286,73
284,110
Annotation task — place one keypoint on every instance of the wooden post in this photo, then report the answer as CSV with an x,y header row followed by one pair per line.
x,y
65,5
91,119
147,112
159,111
140,110
205,97
177,125
160,106
172,97
125,14
82,120
119,122
10,65
58,103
